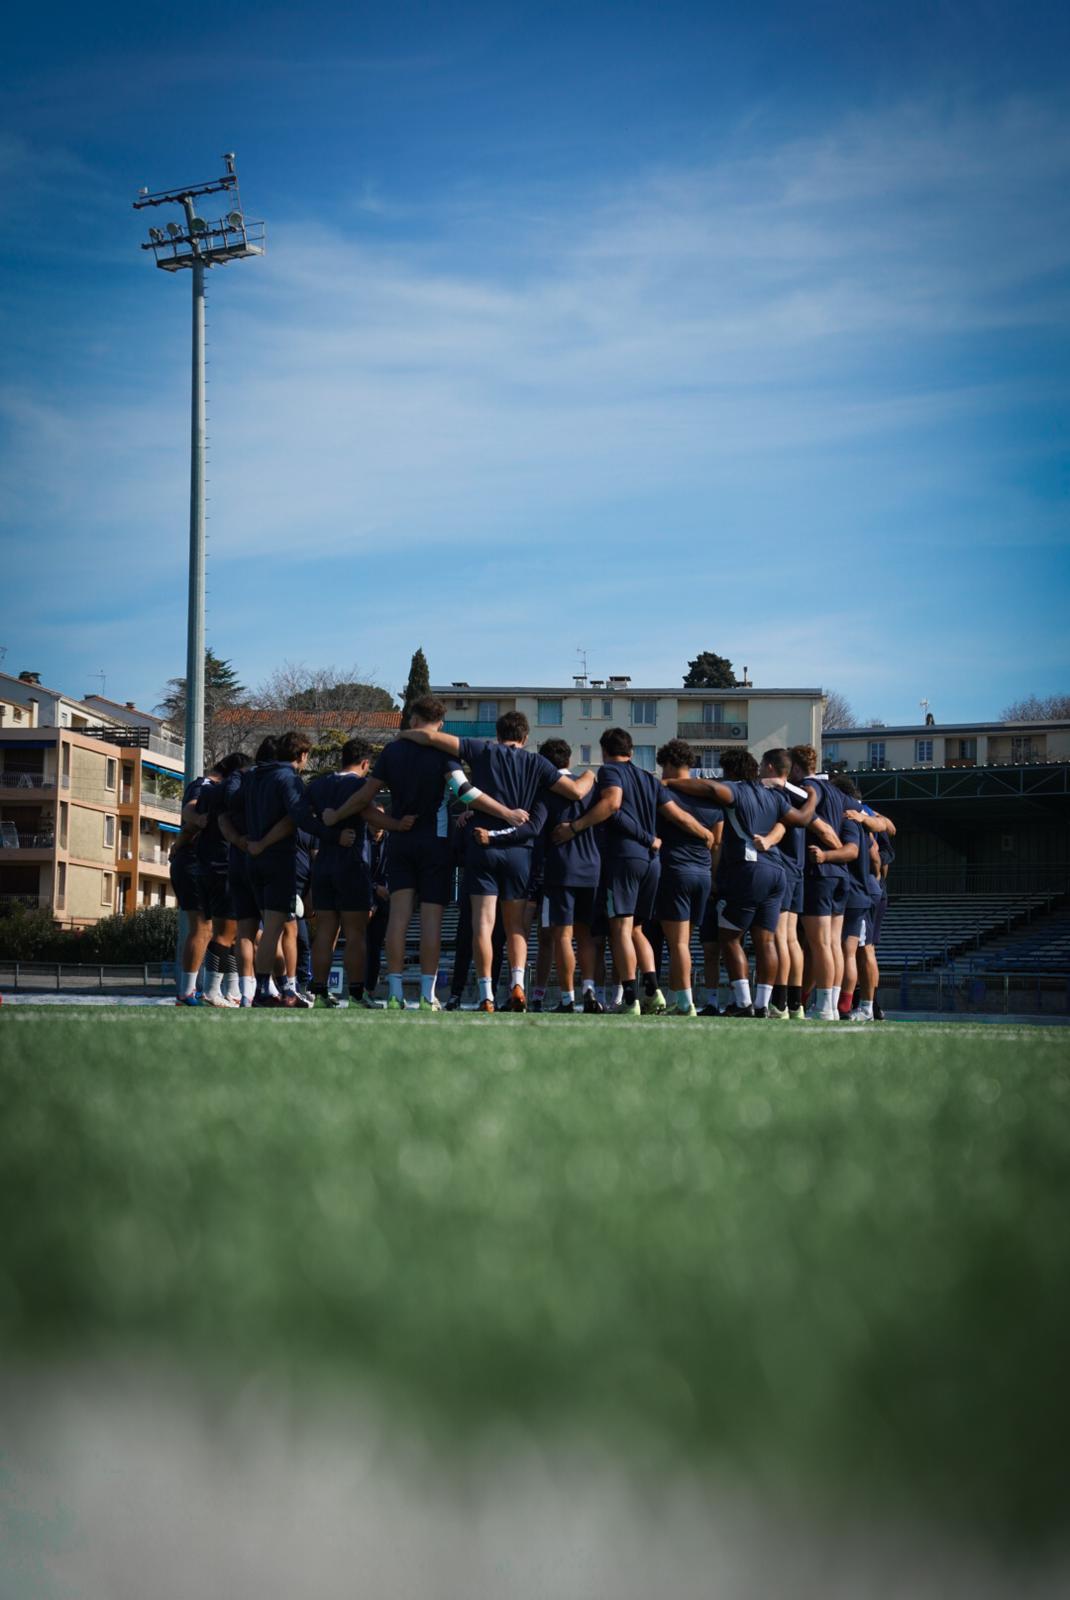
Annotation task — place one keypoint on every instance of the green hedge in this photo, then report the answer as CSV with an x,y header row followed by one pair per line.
x,y
151,934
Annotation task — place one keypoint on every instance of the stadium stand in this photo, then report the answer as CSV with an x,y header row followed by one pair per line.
x,y
1043,947
924,930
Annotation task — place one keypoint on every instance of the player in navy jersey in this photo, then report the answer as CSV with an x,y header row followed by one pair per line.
x,y
686,873
751,885
515,778
196,888
790,846
825,884
878,831
213,855
342,890
421,781
234,827
274,799
631,803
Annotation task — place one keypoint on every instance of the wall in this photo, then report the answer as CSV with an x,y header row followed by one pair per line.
x,y
86,835
83,894
89,773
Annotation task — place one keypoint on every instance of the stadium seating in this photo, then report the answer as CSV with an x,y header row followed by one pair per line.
x,y
922,931
1043,947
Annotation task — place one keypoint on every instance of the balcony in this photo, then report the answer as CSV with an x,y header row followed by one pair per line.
x,y
23,781
32,901
27,841
713,733
161,745
150,854
470,730
160,802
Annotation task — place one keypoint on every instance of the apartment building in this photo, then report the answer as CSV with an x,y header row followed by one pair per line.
x,y
711,720
89,803
958,744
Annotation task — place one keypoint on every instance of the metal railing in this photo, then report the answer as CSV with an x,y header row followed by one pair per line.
x,y
469,730
31,900
161,802
153,853
906,880
161,745
26,977
713,733
25,780
29,841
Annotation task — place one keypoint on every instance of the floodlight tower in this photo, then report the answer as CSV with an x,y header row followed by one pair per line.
x,y
198,245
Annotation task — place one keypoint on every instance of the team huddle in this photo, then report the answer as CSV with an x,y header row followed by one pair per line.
x,y
617,868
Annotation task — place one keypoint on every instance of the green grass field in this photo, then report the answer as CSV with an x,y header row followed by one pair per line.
x,y
830,1259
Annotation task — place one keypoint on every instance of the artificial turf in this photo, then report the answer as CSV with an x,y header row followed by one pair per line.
x,y
829,1259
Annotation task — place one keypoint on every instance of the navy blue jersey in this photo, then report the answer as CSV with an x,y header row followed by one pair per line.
x,y
416,776
831,805
577,863
235,793
642,795
329,792
270,792
188,853
508,773
860,889
754,809
529,835
213,852
680,849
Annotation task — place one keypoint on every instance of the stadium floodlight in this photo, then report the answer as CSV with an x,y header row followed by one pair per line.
x,y
198,245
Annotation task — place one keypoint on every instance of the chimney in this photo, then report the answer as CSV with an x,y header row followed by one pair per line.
x,y
29,677
130,706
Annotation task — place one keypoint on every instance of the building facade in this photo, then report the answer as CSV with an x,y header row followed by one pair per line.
x,y
89,805
961,744
710,720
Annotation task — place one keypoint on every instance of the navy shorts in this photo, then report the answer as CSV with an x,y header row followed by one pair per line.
x,y
420,861
856,920
873,927
273,880
682,895
341,881
504,872
824,897
242,897
631,888
751,896
565,906
793,893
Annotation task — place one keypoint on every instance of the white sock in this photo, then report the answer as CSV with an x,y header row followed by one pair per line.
x,y
273,987
741,991
587,986
618,993
187,985
835,996
215,985
393,984
684,1002
866,1008
486,988
247,987
517,977
568,997
427,985
231,989
823,999
289,985
763,993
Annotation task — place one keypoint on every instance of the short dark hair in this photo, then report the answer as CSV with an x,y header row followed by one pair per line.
x,y
267,749
846,785
559,751
512,725
428,708
293,745
354,751
739,766
677,753
804,756
616,742
780,761
231,763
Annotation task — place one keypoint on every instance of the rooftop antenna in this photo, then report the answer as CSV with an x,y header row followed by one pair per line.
x,y
103,680
582,653
3,654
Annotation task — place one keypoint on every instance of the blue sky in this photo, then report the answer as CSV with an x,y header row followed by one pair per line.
x,y
648,329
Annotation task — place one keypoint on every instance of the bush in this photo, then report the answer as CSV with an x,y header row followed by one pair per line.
x,y
151,934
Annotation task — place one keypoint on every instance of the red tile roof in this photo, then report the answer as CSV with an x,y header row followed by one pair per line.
x,y
282,718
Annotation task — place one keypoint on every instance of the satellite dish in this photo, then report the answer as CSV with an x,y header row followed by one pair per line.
x,y
198,225
173,229
235,218
156,235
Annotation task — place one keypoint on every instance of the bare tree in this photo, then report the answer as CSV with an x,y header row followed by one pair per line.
x,y
326,699
1038,708
838,712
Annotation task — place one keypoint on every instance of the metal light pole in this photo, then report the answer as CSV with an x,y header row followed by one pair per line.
x,y
197,245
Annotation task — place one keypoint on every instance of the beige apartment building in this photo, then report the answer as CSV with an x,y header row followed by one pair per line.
x,y
711,720
89,803
959,744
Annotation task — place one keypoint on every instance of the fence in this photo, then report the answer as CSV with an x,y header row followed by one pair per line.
x,y
979,993
57,977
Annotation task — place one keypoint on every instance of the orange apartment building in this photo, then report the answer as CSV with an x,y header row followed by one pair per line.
x,y
90,801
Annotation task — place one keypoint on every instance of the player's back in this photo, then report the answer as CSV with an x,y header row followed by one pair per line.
x,y
416,778
507,772
637,819
755,810
329,792
831,805
682,850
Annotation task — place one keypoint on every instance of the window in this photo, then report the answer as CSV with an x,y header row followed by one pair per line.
x,y
487,711
585,708
61,885
965,749
585,755
876,752
923,749
712,711
109,832
18,716
832,751
644,713
549,714
109,773
643,756
64,812
607,709
107,888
